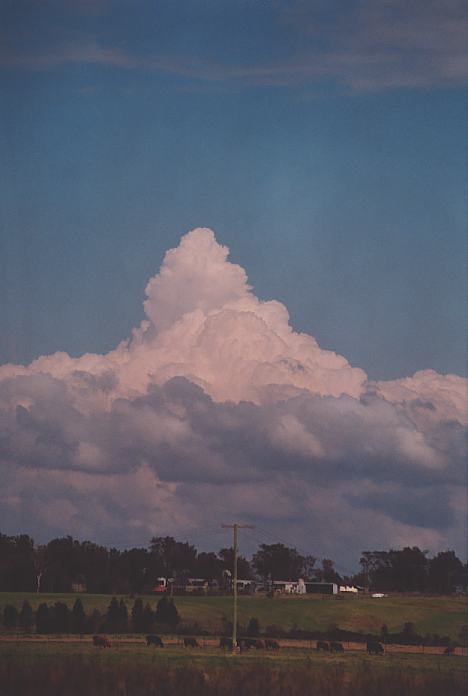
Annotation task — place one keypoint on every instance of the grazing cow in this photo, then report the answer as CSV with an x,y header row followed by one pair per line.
x,y
336,647
101,642
449,650
191,643
375,648
271,644
322,645
154,640
225,643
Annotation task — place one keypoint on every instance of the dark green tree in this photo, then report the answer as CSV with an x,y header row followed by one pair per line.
x,y
328,572
61,618
137,616
94,622
16,563
171,557
10,616
26,616
443,569
226,557
148,618
123,617
78,617
278,562
166,612
208,566
112,621
43,619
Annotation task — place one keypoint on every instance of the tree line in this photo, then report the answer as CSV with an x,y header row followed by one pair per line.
x,y
66,564
58,618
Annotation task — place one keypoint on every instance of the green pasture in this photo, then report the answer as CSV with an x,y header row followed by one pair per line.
x,y
429,614
28,652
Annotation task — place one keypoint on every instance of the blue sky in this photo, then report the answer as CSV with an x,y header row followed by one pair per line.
x,y
323,142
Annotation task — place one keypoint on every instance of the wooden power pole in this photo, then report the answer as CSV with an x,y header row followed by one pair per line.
x,y
235,527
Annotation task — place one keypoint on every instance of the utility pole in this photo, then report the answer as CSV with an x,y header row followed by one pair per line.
x,y
235,527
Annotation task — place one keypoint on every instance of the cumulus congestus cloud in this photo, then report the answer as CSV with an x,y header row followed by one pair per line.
x,y
216,407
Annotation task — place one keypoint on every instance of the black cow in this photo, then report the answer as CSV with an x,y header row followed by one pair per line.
x,y
271,644
225,643
322,645
336,647
101,642
191,643
375,648
154,640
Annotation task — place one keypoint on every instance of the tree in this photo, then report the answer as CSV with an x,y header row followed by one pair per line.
x,y
148,618
226,557
26,616
443,569
123,617
60,615
132,565
398,570
43,619
328,572
16,563
94,622
173,557
78,617
10,616
112,622
166,612
278,562
208,566
137,616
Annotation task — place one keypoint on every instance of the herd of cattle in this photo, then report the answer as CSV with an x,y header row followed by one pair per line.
x,y
372,648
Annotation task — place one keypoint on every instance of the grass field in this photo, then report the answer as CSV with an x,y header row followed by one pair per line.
x,y
441,615
129,668
24,652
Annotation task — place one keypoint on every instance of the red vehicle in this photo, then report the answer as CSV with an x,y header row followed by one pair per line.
x,y
160,586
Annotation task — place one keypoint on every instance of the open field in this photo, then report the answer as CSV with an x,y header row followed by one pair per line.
x,y
297,653
442,615
291,649
67,667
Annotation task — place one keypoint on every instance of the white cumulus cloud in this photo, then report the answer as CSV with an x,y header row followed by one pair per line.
x,y
216,406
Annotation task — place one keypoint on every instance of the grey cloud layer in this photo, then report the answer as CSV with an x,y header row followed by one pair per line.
x,y
216,407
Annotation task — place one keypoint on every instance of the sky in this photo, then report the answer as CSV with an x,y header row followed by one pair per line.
x,y
323,145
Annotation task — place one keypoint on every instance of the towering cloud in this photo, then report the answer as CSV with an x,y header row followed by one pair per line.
x,y
215,406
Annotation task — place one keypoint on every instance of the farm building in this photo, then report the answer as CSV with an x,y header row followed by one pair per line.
x,y
321,588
